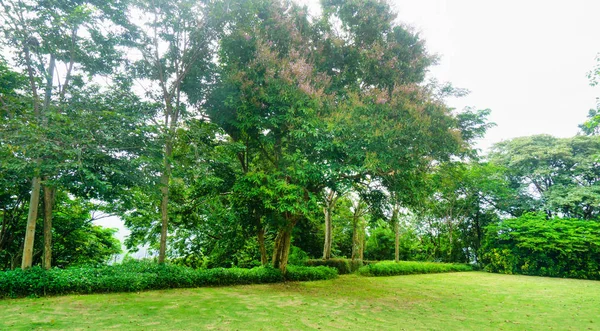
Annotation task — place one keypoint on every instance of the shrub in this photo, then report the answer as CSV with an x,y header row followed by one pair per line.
x,y
367,262
355,265
138,276
343,266
299,273
534,245
297,256
193,261
391,268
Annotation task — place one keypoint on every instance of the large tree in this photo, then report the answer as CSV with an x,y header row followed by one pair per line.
x,y
559,176
70,137
172,39
318,107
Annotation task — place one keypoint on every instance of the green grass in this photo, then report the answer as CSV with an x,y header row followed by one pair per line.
x,y
450,301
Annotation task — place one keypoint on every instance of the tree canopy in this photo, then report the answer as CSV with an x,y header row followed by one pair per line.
x,y
252,133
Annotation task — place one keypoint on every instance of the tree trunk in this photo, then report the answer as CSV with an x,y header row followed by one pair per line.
x,y
396,223
328,233
3,228
361,251
282,246
14,259
478,242
164,203
355,238
48,207
397,244
34,200
330,200
261,246
31,222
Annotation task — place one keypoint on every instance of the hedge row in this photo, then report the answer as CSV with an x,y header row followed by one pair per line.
x,y
391,268
343,266
138,276
301,274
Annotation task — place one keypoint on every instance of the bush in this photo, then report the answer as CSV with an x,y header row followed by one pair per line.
x,y
355,265
138,276
343,266
299,273
297,256
534,245
367,262
391,268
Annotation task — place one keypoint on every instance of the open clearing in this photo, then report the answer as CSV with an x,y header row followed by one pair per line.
x,y
453,301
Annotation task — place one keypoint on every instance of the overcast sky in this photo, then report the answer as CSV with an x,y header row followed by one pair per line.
x,y
526,60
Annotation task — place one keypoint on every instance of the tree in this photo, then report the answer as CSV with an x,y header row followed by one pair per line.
x,y
15,187
171,39
267,99
316,110
556,175
77,240
466,198
329,202
61,46
592,125
391,125
359,213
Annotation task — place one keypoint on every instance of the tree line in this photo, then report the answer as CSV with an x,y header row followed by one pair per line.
x,y
250,133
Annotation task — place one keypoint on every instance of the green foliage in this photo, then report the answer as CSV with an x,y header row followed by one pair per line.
x,y
592,125
290,105
136,276
297,256
193,261
301,273
77,241
534,245
557,176
381,241
391,268
343,266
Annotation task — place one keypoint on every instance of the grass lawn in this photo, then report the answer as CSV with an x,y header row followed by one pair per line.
x,y
452,301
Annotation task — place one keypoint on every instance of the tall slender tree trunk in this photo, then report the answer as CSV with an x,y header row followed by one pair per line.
x,y
328,233
396,224
397,241
41,117
49,193
282,245
3,228
355,243
261,246
34,203
478,234
330,201
34,200
450,241
164,203
361,251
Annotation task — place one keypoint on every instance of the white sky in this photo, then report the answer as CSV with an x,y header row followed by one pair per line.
x,y
526,60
